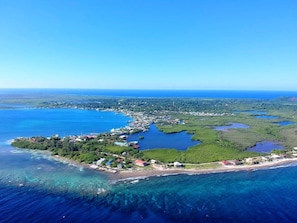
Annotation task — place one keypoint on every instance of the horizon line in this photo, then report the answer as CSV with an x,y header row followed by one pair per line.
x,y
146,89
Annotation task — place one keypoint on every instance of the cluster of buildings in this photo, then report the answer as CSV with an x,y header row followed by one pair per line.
x,y
263,159
141,122
204,114
115,164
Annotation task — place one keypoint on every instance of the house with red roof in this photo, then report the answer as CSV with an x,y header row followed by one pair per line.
x,y
139,162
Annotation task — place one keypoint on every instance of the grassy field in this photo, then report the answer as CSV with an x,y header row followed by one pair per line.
x,y
203,166
290,136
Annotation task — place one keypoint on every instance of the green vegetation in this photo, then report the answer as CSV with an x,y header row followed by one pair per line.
x,y
195,116
198,154
86,151
164,155
214,146
203,166
290,136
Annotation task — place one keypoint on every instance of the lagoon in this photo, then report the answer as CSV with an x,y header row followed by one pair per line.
x,y
266,147
154,138
254,112
232,125
266,117
285,123
261,114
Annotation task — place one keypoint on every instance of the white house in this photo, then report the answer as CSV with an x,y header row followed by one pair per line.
x,y
177,164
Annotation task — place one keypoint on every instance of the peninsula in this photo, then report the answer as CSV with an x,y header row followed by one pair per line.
x,y
220,150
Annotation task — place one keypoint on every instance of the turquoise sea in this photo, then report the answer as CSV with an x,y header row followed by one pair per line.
x,y
36,188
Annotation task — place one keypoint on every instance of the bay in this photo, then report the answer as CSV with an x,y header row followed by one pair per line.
x,y
47,122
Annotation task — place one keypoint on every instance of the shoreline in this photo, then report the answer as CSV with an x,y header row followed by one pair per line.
x,y
157,171
123,175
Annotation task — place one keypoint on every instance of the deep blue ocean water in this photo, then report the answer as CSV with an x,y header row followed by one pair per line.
x,y
36,188
153,93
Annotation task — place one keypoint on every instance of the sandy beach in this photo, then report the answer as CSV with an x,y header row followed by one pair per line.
x,y
158,170
153,171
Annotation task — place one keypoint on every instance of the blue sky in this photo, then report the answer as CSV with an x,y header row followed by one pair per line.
x,y
149,44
